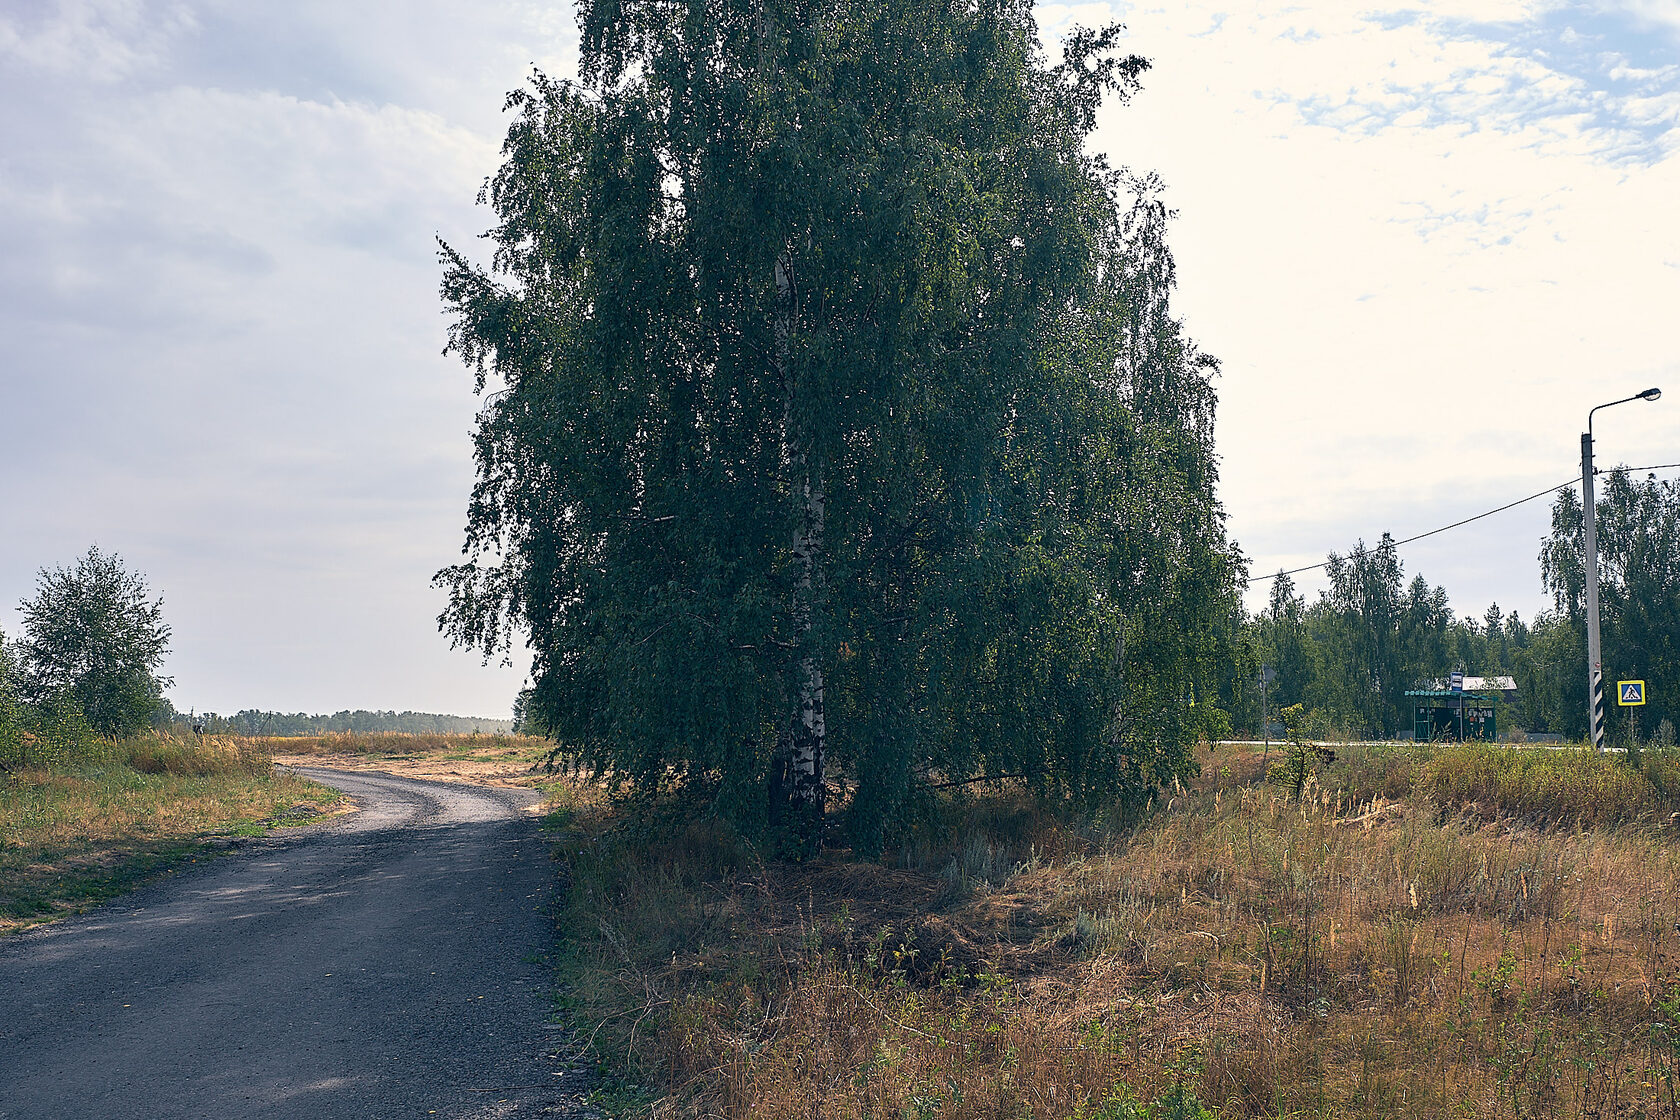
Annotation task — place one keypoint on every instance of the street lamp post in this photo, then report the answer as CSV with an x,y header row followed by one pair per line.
x,y
1595,665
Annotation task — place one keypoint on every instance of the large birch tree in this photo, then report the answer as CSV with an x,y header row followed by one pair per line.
x,y
838,435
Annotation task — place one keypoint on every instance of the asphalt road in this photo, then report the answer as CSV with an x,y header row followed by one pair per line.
x,y
386,964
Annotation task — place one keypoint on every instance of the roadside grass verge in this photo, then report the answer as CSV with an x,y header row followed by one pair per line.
x,y
530,749
90,820
495,759
1462,931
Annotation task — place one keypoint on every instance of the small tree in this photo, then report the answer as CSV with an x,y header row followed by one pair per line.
x,y
1302,756
95,635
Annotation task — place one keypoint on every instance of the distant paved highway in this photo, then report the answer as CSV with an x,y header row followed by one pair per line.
x,y
381,965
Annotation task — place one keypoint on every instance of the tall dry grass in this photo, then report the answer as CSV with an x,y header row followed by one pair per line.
x,y
1468,931
91,819
196,756
401,743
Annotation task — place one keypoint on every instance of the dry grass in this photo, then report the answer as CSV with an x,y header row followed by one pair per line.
x,y
506,760
105,816
390,743
1463,933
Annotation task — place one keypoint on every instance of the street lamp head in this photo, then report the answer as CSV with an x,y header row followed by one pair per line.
x,y
1651,394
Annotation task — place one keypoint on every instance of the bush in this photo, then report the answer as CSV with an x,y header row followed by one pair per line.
x,y
11,708
1302,757
52,734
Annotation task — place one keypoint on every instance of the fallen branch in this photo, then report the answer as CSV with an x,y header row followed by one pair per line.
x,y
1373,815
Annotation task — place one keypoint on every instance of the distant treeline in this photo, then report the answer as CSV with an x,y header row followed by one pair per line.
x,y
252,722
1350,656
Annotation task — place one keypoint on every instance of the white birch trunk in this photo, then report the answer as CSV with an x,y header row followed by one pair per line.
x,y
810,726
802,748
1117,730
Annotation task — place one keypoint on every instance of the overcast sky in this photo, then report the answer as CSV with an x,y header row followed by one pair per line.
x,y
1423,241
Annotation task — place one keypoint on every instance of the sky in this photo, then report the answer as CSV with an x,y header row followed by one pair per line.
x,y
1423,241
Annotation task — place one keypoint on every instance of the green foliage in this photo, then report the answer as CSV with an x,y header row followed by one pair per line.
x,y
1639,595
358,722
525,721
826,353
1177,1103
11,705
59,730
94,636
1361,614
1301,756
1551,672
52,732
1371,636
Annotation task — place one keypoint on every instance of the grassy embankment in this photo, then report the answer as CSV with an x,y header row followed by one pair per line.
x,y
1467,931
86,821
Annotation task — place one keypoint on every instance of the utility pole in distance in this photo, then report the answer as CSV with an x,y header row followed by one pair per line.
x,y
1595,664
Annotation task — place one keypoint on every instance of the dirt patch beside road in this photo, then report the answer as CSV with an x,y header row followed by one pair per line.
x,y
504,761
475,771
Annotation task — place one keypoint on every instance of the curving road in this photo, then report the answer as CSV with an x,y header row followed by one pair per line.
x,y
386,964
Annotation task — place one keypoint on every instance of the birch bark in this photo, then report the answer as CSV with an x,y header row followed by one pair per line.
x,y
801,749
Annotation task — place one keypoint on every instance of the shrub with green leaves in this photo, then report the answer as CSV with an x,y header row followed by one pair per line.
x,y
1301,757
11,707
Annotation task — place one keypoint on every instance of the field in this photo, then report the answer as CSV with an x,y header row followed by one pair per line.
x,y
507,760
1472,931
83,823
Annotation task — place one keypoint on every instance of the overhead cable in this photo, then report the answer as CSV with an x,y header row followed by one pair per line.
x,y
1500,509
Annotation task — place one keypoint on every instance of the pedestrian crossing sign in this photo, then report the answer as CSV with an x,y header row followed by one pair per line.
x,y
1630,694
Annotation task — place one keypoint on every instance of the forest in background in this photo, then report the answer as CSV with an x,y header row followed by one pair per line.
x,y
360,721
86,666
1349,656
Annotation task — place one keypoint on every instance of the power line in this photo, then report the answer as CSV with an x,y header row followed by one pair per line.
x,y
1499,509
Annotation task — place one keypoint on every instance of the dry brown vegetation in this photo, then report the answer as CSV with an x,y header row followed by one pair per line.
x,y
504,760
1472,932
91,820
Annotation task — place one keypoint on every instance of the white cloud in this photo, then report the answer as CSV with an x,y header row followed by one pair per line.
x,y
97,41
1422,255
1664,13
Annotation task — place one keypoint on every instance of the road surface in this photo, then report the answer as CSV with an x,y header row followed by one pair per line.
x,y
385,964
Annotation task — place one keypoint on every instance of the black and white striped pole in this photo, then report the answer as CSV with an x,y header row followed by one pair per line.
x,y
1589,508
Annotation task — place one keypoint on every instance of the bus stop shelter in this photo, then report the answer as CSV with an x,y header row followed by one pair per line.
x,y
1440,715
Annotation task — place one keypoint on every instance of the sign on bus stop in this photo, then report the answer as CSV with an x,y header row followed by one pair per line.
x,y
1630,694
